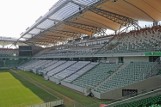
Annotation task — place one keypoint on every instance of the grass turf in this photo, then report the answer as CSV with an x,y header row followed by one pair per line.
x,y
70,96
19,92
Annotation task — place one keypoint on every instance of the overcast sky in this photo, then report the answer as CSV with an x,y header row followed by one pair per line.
x,y
17,15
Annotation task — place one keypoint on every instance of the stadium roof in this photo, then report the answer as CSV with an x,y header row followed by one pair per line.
x,y
72,18
4,41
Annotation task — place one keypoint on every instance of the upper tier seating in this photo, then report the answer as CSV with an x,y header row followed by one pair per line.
x,y
143,40
147,39
83,47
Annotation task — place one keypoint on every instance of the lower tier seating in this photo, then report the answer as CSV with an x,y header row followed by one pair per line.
x,y
132,73
96,75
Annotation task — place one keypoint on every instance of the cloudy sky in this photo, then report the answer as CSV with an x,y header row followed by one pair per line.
x,y
17,15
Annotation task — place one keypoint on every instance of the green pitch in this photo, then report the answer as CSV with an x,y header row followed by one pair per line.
x,y
20,93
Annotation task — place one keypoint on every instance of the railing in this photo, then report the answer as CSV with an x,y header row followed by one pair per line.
x,y
49,104
135,98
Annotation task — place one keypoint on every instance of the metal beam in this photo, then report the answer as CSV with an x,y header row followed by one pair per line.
x,y
54,20
81,5
50,37
32,34
43,40
42,43
40,28
120,19
85,27
59,34
39,42
46,32
68,33
56,38
25,38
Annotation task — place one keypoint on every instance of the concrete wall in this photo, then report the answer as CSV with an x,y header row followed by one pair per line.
x,y
136,59
143,86
72,86
57,81
112,60
128,59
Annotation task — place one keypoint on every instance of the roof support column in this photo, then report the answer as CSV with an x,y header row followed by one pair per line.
x,y
155,23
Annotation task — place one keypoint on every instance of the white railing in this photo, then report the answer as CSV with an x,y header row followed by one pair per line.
x,y
49,104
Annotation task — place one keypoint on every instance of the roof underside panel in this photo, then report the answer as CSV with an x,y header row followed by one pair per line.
x,y
138,9
101,20
27,36
72,18
46,24
58,4
65,12
90,22
35,31
86,2
77,30
148,7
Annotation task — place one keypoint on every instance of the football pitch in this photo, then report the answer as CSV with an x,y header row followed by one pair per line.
x,y
21,89
20,93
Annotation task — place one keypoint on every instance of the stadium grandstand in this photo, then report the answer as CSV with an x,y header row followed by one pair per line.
x,y
71,47
9,52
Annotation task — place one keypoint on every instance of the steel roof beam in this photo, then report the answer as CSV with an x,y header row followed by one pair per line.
x,y
81,5
31,34
61,33
68,33
39,43
54,20
45,40
122,20
89,28
40,28
50,37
